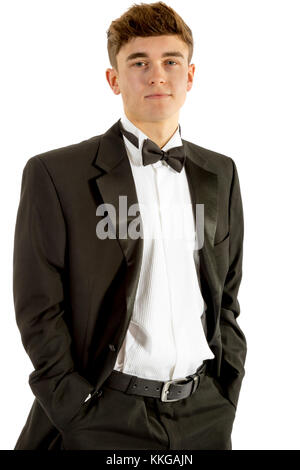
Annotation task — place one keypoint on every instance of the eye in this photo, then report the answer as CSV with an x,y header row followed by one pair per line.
x,y
136,63
172,61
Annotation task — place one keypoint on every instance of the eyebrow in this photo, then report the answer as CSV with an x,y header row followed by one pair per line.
x,y
144,54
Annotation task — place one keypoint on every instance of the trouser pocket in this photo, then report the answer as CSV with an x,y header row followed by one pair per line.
x,y
221,392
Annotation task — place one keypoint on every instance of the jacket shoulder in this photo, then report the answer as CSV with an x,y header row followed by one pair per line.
x,y
76,155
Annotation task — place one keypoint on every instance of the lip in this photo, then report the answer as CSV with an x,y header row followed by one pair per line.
x,y
158,96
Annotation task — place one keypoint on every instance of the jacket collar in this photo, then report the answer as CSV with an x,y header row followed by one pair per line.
x,y
112,159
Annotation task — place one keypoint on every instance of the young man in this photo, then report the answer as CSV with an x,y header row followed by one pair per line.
x,y
134,339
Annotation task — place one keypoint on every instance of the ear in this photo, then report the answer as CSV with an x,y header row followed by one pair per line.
x,y
113,81
191,72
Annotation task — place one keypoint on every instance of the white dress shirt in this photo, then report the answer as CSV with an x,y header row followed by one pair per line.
x,y
165,339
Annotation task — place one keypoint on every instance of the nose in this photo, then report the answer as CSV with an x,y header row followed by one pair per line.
x,y
156,75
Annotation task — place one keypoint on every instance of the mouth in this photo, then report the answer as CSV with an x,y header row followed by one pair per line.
x,y
158,96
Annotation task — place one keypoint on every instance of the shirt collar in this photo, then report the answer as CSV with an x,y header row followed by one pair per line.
x,y
175,140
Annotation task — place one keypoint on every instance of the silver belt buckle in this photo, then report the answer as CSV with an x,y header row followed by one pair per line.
x,y
166,386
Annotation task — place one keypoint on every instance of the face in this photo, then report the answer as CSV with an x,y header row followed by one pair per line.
x,y
152,66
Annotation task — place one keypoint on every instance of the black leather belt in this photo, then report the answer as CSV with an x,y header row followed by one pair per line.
x,y
171,390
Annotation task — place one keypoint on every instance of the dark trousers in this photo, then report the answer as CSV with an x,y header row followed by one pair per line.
x,y
120,421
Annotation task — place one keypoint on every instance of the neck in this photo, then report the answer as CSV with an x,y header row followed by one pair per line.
x,y
159,132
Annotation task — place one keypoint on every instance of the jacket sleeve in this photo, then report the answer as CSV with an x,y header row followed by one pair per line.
x,y
38,290
233,339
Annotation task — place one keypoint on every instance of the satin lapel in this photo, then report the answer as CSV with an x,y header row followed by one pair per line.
x,y
203,185
117,180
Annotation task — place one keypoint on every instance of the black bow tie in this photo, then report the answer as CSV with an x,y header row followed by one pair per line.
x,y
151,152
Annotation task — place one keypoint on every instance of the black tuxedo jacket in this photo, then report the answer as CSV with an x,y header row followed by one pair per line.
x,y
74,293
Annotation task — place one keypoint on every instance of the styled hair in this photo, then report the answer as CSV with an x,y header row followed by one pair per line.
x,y
143,20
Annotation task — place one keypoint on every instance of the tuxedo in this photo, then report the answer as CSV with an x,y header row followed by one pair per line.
x,y
74,293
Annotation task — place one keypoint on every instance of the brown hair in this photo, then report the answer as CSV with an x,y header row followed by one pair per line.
x,y
146,19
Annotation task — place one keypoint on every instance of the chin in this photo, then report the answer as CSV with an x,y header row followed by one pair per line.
x,y
164,111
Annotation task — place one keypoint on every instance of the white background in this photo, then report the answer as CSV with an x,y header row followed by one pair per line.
x,y
244,103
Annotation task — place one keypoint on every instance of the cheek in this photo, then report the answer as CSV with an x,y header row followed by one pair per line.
x,y
134,87
180,83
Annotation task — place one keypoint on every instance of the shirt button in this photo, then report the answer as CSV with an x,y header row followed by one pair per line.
x,y
111,347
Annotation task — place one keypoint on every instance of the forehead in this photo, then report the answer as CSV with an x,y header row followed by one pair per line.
x,y
154,46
